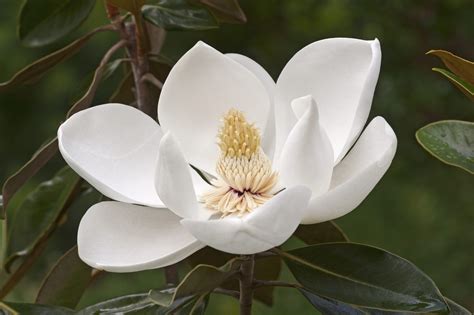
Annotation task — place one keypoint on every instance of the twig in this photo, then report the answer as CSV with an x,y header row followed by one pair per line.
x,y
232,293
265,283
137,52
149,77
245,282
171,275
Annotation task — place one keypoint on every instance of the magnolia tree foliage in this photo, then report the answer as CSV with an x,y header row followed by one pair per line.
x,y
162,193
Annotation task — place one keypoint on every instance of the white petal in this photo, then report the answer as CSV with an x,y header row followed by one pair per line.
x,y
269,135
120,237
341,75
356,176
202,86
307,158
257,70
114,147
174,183
266,227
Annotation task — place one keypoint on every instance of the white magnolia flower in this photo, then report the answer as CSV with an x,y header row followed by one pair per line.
x,y
280,159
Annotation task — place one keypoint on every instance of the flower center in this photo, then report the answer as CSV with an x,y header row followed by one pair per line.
x,y
246,179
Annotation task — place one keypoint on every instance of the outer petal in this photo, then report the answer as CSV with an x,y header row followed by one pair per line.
x,y
307,157
357,174
202,86
121,237
174,183
114,147
268,226
341,74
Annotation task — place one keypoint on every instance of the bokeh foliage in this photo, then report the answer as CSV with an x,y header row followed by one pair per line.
x,y
421,210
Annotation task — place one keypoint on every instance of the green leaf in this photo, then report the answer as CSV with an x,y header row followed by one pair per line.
x,y
330,307
17,180
463,86
86,100
200,280
225,11
456,309
141,303
325,232
364,276
9,308
176,15
124,93
450,141
37,69
196,306
66,281
119,304
461,67
39,213
267,268
111,68
45,21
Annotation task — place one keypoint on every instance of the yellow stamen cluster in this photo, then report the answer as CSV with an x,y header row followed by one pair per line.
x,y
246,176
237,137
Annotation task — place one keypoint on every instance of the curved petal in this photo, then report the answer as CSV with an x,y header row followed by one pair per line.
x,y
307,158
120,237
202,86
174,183
356,176
258,71
269,134
341,75
114,147
266,227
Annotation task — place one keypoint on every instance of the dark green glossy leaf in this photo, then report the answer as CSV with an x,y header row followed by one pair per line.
x,y
464,86
461,67
17,180
9,308
86,100
140,304
225,11
267,268
364,276
196,306
200,280
450,141
124,92
66,281
37,69
133,302
175,15
330,307
112,67
45,21
39,214
325,232
456,309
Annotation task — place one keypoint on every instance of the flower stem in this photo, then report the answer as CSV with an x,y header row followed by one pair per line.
x,y
246,284
171,275
137,48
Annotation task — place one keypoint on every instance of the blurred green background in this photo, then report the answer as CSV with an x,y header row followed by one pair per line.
x,y
422,210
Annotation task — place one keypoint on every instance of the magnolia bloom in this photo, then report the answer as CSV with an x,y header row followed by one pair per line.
x,y
237,162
